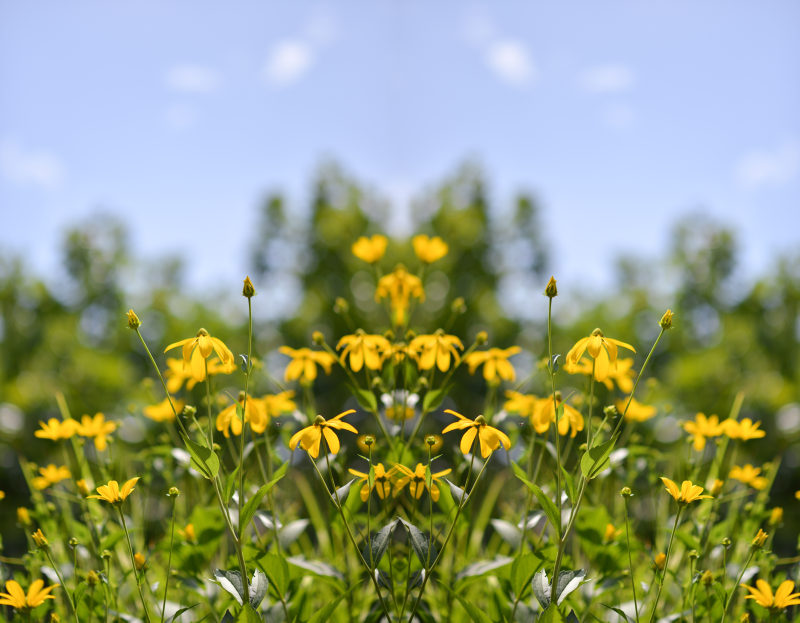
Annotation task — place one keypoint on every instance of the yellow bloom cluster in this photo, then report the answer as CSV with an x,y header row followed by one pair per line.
x,y
703,428
257,411
542,412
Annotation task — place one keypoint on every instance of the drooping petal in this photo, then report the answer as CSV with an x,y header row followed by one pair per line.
x,y
467,440
672,488
331,440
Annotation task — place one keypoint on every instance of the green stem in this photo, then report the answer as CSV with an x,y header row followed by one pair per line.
x,y
133,563
558,442
729,598
243,527
630,559
169,558
666,562
61,579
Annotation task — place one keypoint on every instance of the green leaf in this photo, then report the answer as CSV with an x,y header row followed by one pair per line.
x,y
420,543
433,399
252,504
476,614
380,542
248,614
547,504
277,570
366,399
231,582
551,615
619,612
483,567
595,460
181,611
324,613
231,484
204,460
522,570
568,581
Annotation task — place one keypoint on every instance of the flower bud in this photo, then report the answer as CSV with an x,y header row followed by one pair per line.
x,y
726,543
40,539
434,442
24,516
83,488
173,492
626,492
73,542
610,411
693,555
133,320
318,338
707,578
660,560
666,320
189,410
759,540
54,618
775,516
92,579
140,560
106,555
458,306
340,306
716,487
248,290
481,338
550,290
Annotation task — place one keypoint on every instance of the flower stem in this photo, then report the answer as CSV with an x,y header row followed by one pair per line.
x,y
666,562
243,527
729,598
61,579
630,560
133,563
169,558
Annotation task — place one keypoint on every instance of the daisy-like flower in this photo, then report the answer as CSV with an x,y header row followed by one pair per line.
x,y
370,249
399,287
437,349
416,481
749,475
490,438
622,374
637,412
744,429
16,597
521,404
783,597
544,414
600,348
199,348
702,428
496,366
309,437
759,539
98,428
228,420
274,405
56,429
382,482
50,475
112,493
303,366
162,412
428,249
686,493
364,349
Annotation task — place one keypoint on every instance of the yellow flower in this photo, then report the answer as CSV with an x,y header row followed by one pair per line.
x,y
716,486
274,405
544,413
98,428
759,539
56,429
416,481
749,475
744,430
701,428
197,349
490,438
687,492
521,404
495,363
622,374
50,475
611,533
399,286
775,516
2,495
133,320
783,597
370,249
188,533
139,560
40,539
16,597
428,249
602,349
162,412
112,493
637,412
382,482
303,366
309,437
435,350
660,560
364,349
23,516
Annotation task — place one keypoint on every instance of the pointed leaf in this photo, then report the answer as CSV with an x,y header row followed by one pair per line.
x,y
522,570
551,615
366,399
231,582
277,571
595,460
510,533
483,567
379,542
548,506
541,588
340,495
420,543
258,588
476,614
432,400
252,504
568,581
204,460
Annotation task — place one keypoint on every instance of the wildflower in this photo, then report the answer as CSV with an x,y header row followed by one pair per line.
x,y
139,560
364,349
521,404
173,492
760,538
637,412
274,405
428,249
702,428
188,533
248,290
382,481
133,320
622,374
416,481
98,428
400,405
50,475
495,363
602,349
666,320
303,366
749,475
660,560
775,516
16,597
229,421
434,443
92,578
56,429
611,533
707,578
365,443
40,539
716,486
310,436
24,516
783,597
744,429
544,414
490,438
2,495
399,286
400,350
551,289
370,249
687,492
162,412
435,350
112,493
199,348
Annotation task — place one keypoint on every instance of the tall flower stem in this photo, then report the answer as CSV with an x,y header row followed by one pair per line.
x,y
133,563
729,598
666,563
552,372
630,559
169,558
248,368
61,579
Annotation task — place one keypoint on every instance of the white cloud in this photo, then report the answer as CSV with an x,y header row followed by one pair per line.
x,y
607,79
510,61
192,79
23,166
773,167
288,61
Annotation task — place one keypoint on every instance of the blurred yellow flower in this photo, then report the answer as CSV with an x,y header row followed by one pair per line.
x,y
40,539
162,412
783,597
489,437
637,412
496,366
687,492
188,533
50,475
660,560
759,539
749,475
428,249
622,373
23,516
521,404
56,429
611,532
399,287
382,482
112,492
602,349
16,597
198,348
309,437
364,349
703,427
416,481
744,429
303,366
775,516
544,413
274,405
139,560
98,428
436,349
370,249
228,421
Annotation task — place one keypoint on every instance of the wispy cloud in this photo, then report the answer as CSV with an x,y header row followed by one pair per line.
x,y
770,167
607,79
510,61
288,61
30,167
192,79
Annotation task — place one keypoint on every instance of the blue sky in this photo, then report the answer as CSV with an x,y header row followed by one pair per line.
x,y
619,116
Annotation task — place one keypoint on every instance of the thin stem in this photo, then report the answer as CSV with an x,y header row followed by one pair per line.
x,y
243,527
729,598
636,384
61,579
666,561
133,563
169,558
630,559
